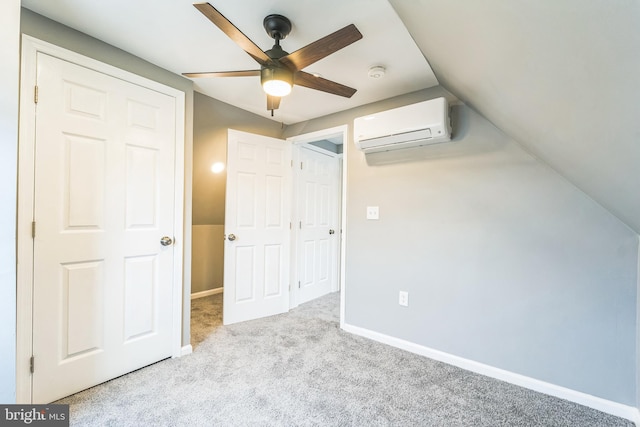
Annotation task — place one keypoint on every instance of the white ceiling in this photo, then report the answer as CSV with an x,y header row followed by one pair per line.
x,y
174,35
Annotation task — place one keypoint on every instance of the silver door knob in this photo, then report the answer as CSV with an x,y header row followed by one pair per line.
x,y
231,237
332,231
166,241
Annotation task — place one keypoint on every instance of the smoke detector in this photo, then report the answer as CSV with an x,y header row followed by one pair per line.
x,y
377,72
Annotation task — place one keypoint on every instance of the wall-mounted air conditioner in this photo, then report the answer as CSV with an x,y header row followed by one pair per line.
x,y
413,125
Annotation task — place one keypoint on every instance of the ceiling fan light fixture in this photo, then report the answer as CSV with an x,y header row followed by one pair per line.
x,y
279,69
277,88
276,81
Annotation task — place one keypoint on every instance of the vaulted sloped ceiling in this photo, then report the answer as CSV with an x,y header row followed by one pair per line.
x,y
560,77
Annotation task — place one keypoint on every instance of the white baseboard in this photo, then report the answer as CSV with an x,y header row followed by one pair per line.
x,y
207,293
607,406
185,350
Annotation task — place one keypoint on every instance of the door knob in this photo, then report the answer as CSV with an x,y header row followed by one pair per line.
x,y
332,231
166,241
231,237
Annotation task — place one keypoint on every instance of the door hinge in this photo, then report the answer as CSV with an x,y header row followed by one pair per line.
x,y
300,165
298,284
32,364
35,94
300,225
33,229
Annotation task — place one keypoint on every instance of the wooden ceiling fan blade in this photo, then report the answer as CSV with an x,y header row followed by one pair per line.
x,y
321,48
241,73
273,102
318,83
233,32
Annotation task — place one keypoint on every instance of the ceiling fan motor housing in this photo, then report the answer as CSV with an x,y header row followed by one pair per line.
x,y
276,52
276,73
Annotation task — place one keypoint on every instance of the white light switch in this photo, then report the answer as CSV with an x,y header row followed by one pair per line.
x,y
373,212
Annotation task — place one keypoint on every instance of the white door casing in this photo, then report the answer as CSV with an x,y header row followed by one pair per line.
x,y
318,228
257,227
107,163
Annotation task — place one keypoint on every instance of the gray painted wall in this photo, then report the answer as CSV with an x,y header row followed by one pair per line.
x,y
506,263
45,29
207,261
9,74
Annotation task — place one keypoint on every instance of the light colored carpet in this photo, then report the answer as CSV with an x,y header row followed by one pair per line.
x,y
300,369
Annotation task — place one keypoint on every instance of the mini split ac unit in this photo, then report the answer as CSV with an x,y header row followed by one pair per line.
x,y
413,125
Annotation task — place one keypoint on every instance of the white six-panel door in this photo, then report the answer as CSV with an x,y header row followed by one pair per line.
x,y
104,198
257,227
318,235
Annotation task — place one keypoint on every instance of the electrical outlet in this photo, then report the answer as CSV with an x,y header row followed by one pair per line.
x,y
403,298
373,212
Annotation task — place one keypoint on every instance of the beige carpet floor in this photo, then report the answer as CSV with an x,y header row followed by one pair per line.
x,y
301,369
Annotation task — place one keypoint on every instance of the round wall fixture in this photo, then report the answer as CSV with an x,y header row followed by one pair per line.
x,y
217,167
377,72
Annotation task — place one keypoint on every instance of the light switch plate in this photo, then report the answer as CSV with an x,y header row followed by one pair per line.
x,y
373,212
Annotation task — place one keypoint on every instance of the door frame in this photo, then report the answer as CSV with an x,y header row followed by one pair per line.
x,y
298,141
31,46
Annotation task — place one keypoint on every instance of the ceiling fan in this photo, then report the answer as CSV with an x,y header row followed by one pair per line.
x,y
280,70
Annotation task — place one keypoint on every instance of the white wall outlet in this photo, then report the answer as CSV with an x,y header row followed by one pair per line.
x,y
373,212
403,298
